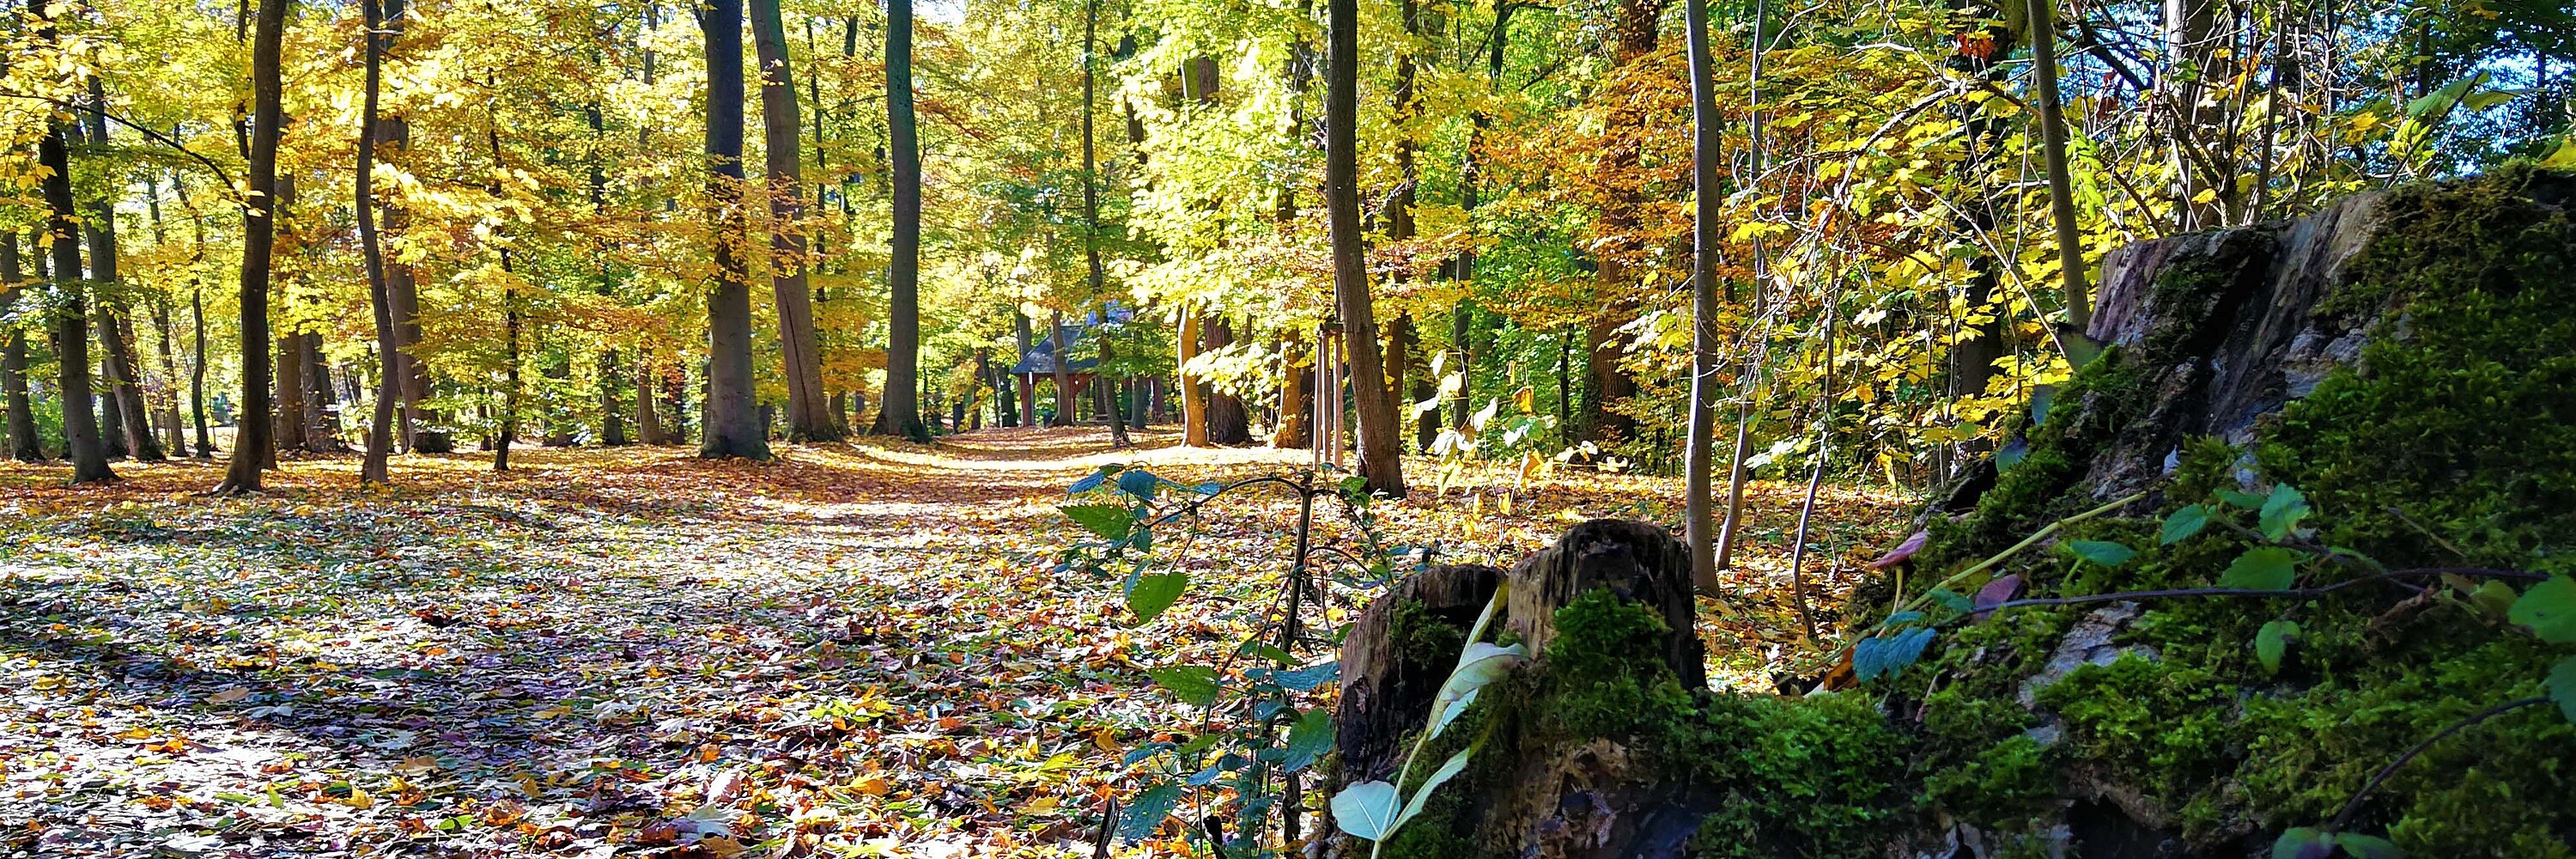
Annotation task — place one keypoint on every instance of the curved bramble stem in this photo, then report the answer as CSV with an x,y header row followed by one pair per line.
x,y
2353,805
2027,542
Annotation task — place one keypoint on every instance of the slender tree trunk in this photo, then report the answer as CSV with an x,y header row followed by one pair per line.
x,y
1028,385
809,412
2061,188
1739,470
1194,431
1063,371
900,413
1091,216
1701,448
287,425
130,424
1400,346
402,292
196,318
321,406
1470,175
732,424
380,434
648,421
605,364
509,431
1381,464
1295,396
24,444
165,406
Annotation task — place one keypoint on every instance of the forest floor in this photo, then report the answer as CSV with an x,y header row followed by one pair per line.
x,y
863,649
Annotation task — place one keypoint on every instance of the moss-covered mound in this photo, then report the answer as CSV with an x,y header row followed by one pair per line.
x,y
2449,442
2433,425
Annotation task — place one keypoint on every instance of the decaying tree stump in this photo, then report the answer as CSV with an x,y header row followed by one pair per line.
x,y
1636,560
1393,662
1540,793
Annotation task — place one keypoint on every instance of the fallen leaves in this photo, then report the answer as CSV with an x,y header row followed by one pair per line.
x,y
863,649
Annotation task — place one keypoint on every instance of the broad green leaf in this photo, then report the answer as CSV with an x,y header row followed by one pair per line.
x,y
1154,592
1146,811
1307,678
1194,684
2184,523
1448,770
1308,739
2282,511
2273,642
2562,687
1139,483
1110,521
2270,568
2101,552
2246,500
2493,599
1887,656
1366,810
2305,842
1483,663
2549,608
2361,846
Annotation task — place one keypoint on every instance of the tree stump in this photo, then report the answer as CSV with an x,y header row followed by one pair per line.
x,y
1536,789
1639,561
1394,660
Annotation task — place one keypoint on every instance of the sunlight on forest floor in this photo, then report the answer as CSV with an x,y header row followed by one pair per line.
x,y
862,647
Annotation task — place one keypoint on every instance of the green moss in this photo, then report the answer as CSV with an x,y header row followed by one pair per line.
x,y
1817,776
1417,629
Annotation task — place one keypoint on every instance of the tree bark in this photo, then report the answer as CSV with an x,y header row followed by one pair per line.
x,y
24,444
901,413
253,442
402,292
732,426
132,427
380,430
809,409
648,421
1193,392
81,440
1063,371
2061,187
1381,463
1296,403
1227,424
1700,455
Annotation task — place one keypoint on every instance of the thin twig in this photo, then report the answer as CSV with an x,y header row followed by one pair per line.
x,y
2353,805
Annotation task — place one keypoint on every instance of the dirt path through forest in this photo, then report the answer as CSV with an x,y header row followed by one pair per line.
x,y
865,645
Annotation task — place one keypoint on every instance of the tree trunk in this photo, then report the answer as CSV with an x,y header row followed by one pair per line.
x,y
251,448
286,426
648,420
24,444
1193,392
1296,397
1401,379
732,425
1381,463
321,403
380,430
81,440
1227,424
1063,371
2061,187
129,427
196,318
1700,454
809,412
402,292
900,414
